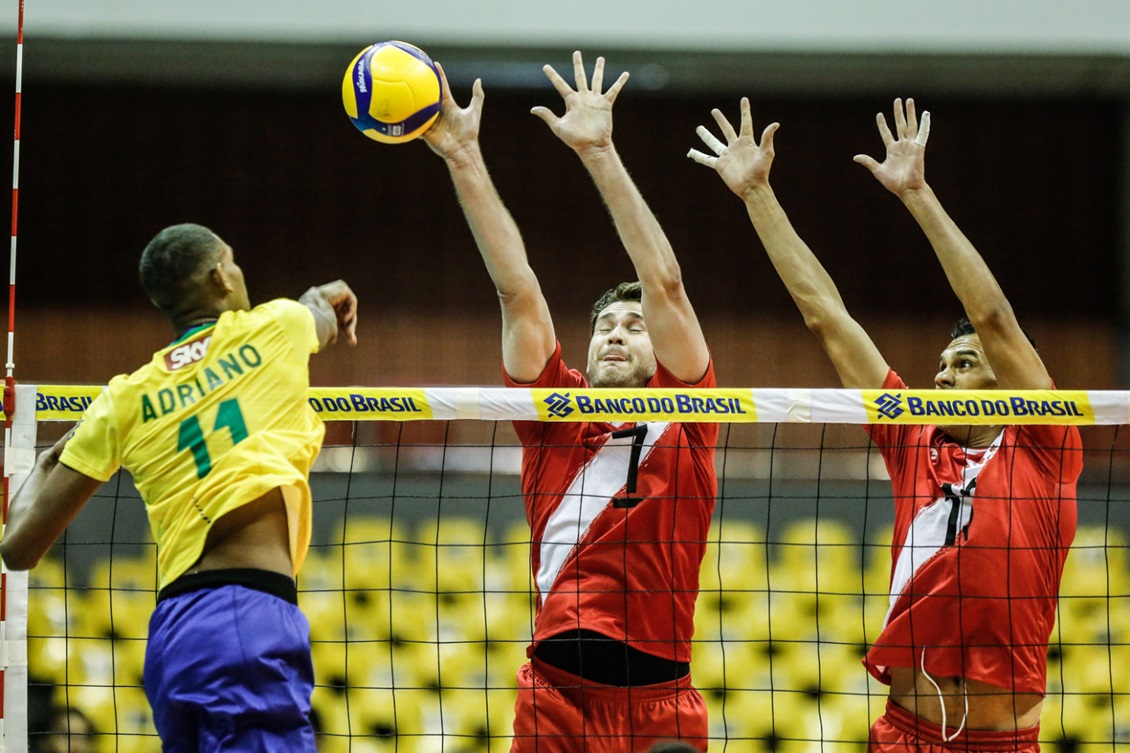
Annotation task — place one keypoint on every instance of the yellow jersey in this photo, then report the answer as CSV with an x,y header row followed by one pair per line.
x,y
217,419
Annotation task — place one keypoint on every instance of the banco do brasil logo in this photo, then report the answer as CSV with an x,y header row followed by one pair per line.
x,y
558,405
888,405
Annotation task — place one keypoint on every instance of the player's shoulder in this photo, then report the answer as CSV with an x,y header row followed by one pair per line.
x,y
280,309
141,375
286,313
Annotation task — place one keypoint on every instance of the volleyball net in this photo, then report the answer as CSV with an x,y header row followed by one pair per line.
x,y
421,601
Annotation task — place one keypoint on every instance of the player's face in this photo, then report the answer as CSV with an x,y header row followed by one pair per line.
x,y
620,352
964,366
234,276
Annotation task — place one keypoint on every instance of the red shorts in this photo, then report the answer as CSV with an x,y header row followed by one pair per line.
x,y
898,731
558,712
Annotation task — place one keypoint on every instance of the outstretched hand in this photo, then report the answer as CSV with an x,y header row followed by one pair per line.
x,y
741,161
587,122
456,128
904,168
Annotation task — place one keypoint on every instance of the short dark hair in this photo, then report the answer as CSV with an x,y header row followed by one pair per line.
x,y
173,258
964,327
625,291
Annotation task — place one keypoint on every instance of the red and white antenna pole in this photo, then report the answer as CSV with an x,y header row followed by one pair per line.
x,y
9,365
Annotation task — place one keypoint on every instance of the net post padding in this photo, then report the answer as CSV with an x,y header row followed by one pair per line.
x,y
19,457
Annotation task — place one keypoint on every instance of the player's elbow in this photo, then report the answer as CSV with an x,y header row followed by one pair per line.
x,y
521,299
666,292
16,557
820,323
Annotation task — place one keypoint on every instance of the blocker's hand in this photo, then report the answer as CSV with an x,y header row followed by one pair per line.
x,y
457,128
587,122
904,168
742,163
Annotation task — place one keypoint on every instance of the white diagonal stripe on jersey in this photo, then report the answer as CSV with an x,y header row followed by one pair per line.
x,y
589,493
927,534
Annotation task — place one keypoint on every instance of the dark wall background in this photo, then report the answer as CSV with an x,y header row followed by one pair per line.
x,y
304,198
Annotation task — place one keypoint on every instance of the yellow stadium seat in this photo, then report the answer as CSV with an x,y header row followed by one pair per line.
x,y
47,659
373,555
90,661
451,555
509,615
1097,566
369,615
323,570
134,729
367,719
877,562
477,720
720,669
122,596
126,572
56,611
367,664
736,560
816,557
325,611
451,664
512,550
413,714
48,573
1069,717
461,616
129,662
823,667
846,719
762,720
504,658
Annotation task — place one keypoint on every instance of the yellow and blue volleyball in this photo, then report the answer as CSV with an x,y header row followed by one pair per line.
x,y
391,92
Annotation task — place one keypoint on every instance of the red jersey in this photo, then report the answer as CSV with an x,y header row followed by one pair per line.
x,y
619,562
978,550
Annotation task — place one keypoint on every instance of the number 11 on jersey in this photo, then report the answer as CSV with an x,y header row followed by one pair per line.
x,y
191,436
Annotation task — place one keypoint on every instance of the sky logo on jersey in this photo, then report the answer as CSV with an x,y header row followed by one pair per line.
x,y
557,405
187,353
983,407
888,405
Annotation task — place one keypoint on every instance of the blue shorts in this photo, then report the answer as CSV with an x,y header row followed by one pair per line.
x,y
227,667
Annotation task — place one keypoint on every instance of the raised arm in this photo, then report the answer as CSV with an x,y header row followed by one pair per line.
x,y
744,165
528,339
903,173
43,507
334,307
586,127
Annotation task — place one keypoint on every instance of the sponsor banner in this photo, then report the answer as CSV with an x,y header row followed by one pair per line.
x,y
66,403
714,405
63,403
978,407
370,404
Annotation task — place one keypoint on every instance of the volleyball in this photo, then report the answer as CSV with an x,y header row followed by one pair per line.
x,y
391,92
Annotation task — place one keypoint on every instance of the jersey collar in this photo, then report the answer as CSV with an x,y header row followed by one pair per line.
x,y
192,332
